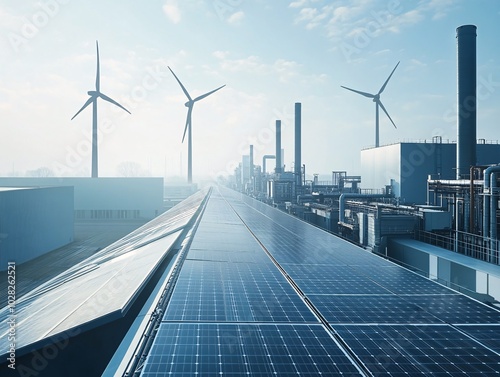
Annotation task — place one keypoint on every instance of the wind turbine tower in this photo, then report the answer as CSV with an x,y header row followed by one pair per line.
x,y
94,95
376,98
190,104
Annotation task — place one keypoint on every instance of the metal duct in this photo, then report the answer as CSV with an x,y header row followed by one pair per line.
x,y
466,100
264,159
343,198
298,143
278,147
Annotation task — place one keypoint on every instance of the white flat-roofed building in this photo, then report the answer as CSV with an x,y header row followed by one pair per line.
x,y
106,198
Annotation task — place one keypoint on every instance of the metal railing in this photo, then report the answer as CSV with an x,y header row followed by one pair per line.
x,y
468,244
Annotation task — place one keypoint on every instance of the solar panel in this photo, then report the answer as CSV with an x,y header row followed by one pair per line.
x,y
419,350
190,349
456,309
220,291
489,335
370,309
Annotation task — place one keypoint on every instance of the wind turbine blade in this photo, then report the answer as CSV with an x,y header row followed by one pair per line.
x,y
386,81
207,94
357,91
89,101
188,121
182,86
98,74
106,98
386,113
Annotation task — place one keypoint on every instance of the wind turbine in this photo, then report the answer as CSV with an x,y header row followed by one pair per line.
x,y
94,94
376,99
190,104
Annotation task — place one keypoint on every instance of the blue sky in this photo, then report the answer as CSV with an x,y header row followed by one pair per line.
x,y
268,54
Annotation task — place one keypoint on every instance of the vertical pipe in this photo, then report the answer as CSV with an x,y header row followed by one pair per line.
x,y
493,206
298,142
466,99
278,147
251,166
472,201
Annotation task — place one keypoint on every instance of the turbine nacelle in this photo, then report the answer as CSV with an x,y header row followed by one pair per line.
x,y
93,93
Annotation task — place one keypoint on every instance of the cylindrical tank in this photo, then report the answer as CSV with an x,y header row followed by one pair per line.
x,y
466,100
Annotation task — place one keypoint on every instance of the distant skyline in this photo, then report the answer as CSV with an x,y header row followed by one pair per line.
x,y
269,54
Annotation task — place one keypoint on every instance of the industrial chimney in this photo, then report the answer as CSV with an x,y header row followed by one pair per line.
x,y
298,142
466,100
278,147
251,164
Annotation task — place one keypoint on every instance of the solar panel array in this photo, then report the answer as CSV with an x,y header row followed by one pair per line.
x,y
262,293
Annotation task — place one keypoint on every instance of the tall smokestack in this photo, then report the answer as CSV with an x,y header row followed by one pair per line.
x,y
466,100
251,163
278,147
298,142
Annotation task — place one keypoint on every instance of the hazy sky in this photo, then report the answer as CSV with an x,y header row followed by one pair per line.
x,y
270,54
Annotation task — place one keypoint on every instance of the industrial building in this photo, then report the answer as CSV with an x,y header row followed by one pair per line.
x,y
105,198
33,221
406,166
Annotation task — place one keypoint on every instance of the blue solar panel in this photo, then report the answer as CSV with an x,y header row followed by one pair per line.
x,y
419,350
401,281
370,309
245,350
219,291
456,309
489,335
355,285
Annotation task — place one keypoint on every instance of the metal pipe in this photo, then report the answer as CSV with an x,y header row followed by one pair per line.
x,y
486,197
278,147
472,199
493,206
251,164
345,196
264,159
298,142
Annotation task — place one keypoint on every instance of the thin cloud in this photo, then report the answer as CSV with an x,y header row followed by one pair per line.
x,y
236,18
348,19
172,11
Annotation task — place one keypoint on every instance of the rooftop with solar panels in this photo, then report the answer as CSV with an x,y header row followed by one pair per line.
x,y
262,293
223,284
